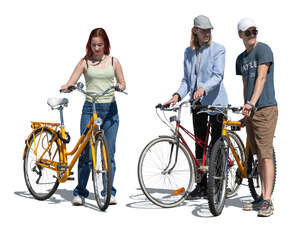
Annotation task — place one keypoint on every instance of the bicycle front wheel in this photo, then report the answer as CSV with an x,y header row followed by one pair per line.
x,y
217,177
102,174
41,181
165,172
234,174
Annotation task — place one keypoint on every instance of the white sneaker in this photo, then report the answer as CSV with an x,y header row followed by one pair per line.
x,y
113,200
77,200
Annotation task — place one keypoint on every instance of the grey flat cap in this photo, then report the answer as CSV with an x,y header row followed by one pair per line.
x,y
202,22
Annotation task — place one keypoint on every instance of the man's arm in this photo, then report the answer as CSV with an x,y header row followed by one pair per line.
x,y
260,82
258,88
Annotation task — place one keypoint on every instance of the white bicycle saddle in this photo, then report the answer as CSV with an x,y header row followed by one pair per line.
x,y
55,103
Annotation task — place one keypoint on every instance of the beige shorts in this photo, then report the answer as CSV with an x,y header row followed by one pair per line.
x,y
260,131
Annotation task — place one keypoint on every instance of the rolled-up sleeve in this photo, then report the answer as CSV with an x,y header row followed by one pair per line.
x,y
217,71
185,83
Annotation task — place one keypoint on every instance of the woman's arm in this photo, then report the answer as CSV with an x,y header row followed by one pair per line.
x,y
119,74
184,87
79,69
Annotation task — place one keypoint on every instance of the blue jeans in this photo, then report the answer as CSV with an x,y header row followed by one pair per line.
x,y
108,112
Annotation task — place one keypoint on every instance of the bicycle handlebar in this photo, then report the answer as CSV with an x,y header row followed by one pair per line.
x,y
79,86
204,108
212,108
194,106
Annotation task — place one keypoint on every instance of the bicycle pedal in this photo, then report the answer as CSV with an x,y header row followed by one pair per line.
x,y
178,191
71,173
71,178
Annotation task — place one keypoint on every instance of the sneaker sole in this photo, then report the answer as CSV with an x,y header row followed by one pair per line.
x,y
193,199
77,204
265,214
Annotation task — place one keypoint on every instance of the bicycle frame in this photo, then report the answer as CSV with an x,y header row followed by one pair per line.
x,y
242,167
203,144
62,168
179,137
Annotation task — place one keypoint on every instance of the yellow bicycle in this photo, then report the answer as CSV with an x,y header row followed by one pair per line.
x,y
231,162
46,157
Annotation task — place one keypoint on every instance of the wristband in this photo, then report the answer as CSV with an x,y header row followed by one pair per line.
x,y
252,106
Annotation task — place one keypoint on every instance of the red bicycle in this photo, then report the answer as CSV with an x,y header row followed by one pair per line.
x,y
167,167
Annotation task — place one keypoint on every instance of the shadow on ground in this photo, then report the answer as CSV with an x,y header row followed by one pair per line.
x,y
61,195
200,208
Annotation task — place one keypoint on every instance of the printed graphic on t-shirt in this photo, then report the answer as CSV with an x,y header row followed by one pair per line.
x,y
249,68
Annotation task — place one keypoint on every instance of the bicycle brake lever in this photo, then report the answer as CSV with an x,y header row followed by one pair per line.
x,y
158,106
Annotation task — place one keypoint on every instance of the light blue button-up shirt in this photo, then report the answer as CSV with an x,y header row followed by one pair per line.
x,y
210,74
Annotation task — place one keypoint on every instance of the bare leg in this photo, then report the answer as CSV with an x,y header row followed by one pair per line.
x,y
261,175
268,178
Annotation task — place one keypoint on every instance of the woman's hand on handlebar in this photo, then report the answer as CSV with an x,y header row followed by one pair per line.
x,y
65,88
172,101
199,93
120,87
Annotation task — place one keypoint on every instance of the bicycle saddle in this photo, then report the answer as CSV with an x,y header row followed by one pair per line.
x,y
55,103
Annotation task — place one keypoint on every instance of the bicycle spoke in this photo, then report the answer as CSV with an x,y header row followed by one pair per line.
x,y
41,181
162,179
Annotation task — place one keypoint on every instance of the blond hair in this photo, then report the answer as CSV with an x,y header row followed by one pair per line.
x,y
195,42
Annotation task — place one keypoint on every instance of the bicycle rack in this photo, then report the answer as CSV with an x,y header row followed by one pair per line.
x,y
36,140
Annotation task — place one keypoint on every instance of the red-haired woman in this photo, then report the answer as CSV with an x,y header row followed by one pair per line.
x,y
100,72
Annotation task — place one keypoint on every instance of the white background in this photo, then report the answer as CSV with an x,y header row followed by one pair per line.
x,y
42,41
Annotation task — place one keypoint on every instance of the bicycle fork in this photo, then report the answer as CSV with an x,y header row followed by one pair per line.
x,y
226,150
168,170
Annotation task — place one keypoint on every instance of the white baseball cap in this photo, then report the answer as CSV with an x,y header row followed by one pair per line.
x,y
245,23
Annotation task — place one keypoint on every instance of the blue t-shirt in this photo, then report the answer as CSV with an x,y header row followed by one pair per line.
x,y
247,66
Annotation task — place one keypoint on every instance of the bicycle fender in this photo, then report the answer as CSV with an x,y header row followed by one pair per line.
x,y
166,136
30,137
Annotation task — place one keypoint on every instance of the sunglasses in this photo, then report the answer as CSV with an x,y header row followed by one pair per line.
x,y
253,32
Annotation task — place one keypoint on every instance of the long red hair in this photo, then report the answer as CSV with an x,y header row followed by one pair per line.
x,y
95,33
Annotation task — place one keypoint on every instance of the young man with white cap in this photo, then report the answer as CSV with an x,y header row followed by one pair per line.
x,y
204,63
256,65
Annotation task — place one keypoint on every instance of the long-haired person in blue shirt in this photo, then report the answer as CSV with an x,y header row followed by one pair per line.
x,y
204,62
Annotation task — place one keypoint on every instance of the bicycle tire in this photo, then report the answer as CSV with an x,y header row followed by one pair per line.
x,y
234,176
102,176
162,185
217,177
254,182
40,181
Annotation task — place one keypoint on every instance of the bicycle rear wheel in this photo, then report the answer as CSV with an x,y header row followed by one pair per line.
x,y
40,181
254,181
164,177
234,175
102,175
217,177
